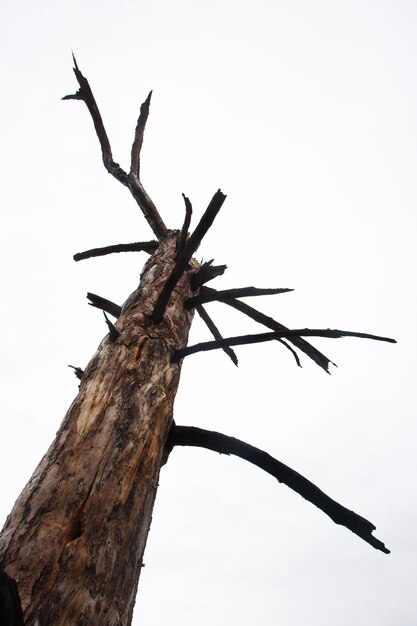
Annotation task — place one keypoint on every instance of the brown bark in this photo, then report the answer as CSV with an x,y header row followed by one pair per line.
x,y
75,538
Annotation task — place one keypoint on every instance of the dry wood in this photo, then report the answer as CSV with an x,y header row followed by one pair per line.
x,y
215,332
138,246
226,294
218,442
75,538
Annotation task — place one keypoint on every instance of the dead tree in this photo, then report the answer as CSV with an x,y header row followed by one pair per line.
x,y
74,541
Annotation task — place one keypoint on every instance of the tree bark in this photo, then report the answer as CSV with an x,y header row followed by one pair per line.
x,y
75,538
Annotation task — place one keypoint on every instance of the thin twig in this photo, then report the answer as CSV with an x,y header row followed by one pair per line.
x,y
226,294
186,254
293,352
300,343
186,224
138,140
191,436
205,346
138,246
104,305
215,331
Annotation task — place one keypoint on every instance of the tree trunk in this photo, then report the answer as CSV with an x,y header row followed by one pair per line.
x,y
75,538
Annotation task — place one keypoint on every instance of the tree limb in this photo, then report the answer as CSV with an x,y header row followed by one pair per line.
x,y
205,346
138,246
130,180
320,359
226,294
215,331
207,272
104,305
186,253
186,224
138,140
218,442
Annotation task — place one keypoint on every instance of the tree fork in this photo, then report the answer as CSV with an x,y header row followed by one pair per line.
x,y
75,538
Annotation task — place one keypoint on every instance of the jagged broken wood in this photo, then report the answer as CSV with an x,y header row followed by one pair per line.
x,y
104,305
207,272
186,225
218,442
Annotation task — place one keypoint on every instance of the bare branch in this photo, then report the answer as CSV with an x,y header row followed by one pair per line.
x,y
131,181
104,305
138,246
186,224
191,436
293,352
85,94
186,254
138,140
226,294
113,332
205,346
206,272
215,331
269,322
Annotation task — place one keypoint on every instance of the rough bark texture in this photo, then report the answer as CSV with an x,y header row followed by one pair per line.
x,y
74,541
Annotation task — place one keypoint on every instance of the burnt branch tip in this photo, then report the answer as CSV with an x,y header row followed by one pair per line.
x,y
139,132
218,442
207,272
113,332
138,246
262,337
104,305
77,371
186,253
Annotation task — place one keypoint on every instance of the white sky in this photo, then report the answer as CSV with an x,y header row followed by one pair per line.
x,y
304,113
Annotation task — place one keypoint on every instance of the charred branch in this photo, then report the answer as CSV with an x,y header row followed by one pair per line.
x,y
226,294
186,253
130,180
320,359
215,332
138,140
10,608
138,246
77,371
207,272
293,352
104,305
191,436
186,224
205,346
113,332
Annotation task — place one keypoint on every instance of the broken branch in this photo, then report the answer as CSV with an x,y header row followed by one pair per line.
x,y
205,346
215,331
207,272
138,246
218,442
186,253
186,224
138,140
225,294
104,305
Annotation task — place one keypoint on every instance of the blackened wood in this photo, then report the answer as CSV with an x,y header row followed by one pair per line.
x,y
104,305
186,224
320,359
186,254
85,94
10,608
138,246
207,272
130,180
218,442
241,340
138,140
215,331
293,352
226,294
77,371
113,332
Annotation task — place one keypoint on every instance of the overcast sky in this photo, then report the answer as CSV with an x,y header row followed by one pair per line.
x,y
304,114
